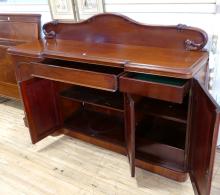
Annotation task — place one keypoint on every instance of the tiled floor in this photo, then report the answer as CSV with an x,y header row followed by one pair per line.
x,y
62,165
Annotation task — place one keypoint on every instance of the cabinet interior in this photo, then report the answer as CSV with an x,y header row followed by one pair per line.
x,y
93,113
160,125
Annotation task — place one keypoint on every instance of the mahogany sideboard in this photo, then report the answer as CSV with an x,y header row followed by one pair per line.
x,y
15,29
135,89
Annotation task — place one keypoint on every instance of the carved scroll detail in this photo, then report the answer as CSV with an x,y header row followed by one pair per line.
x,y
181,27
50,34
192,45
189,44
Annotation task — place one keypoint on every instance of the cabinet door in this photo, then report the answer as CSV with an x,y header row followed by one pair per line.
x,y
203,138
130,130
40,106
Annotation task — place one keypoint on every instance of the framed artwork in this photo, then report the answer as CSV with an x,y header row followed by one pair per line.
x,y
75,10
88,8
63,10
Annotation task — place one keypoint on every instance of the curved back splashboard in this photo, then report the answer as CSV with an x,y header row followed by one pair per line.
x,y
118,29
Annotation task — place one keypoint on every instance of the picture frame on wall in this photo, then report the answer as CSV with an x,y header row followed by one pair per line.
x,y
63,10
88,8
75,10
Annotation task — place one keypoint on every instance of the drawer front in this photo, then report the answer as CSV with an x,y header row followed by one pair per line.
x,y
151,89
75,76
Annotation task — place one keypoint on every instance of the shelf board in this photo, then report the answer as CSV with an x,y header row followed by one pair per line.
x,y
97,128
162,131
165,168
161,142
95,97
162,154
165,110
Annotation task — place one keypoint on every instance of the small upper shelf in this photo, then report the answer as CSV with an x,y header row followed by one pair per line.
x,y
95,97
166,110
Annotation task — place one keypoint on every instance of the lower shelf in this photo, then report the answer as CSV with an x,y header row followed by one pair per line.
x,y
177,175
161,142
162,131
97,128
153,153
162,155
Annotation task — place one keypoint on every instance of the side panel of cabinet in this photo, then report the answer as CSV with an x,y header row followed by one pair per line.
x,y
130,130
39,99
203,138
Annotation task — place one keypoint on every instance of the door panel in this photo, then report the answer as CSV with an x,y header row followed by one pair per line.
x,y
40,105
203,138
130,130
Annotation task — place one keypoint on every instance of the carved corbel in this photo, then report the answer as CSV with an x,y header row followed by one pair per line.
x,y
51,34
192,45
189,44
181,27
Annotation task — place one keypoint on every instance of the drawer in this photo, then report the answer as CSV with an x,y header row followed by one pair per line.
x,y
88,75
158,87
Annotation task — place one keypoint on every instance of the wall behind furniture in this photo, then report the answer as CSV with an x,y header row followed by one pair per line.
x,y
200,13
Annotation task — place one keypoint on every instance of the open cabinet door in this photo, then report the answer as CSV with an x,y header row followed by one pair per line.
x,y
39,99
130,130
203,138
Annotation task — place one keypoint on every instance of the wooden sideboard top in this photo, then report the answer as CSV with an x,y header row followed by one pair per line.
x,y
106,39
162,61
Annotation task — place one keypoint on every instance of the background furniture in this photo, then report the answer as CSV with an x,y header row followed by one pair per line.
x,y
137,90
15,29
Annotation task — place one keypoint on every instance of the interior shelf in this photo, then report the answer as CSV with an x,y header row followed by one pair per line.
x,y
166,110
95,97
161,141
173,161
104,127
163,131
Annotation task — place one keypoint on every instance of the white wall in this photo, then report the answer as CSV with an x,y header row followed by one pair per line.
x,y
155,12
